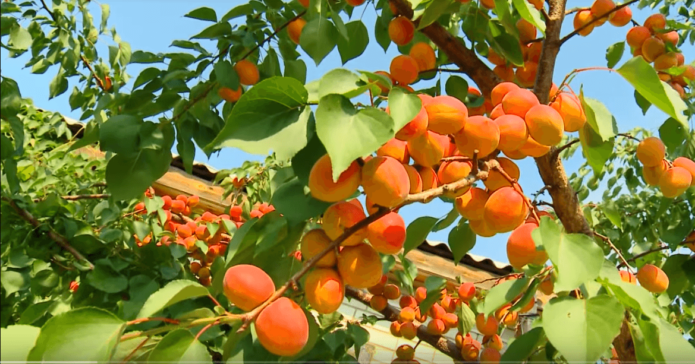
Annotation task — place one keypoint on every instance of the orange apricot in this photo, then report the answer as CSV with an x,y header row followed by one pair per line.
x,y
408,330
247,71
415,179
497,111
428,149
480,228
452,171
679,89
407,301
282,328
247,286
533,149
652,175
538,4
436,327
395,329
486,326
545,124
496,180
505,210
355,2
396,149
493,341
504,72
665,61
314,242
681,60
490,355
471,204
392,292
324,290
688,74
385,181
652,278
407,314
655,22
500,91
620,17
599,8
429,178
652,48
516,154
527,75
470,349
466,291
294,29
669,37
401,30
446,114
229,95
513,132
420,294
405,352
385,88
415,127
343,215
636,36
450,320
378,289
480,134
378,302
404,69
571,111
686,164
651,151
627,276
581,19
495,58
359,265
518,102
521,249
324,188
533,52
424,55
675,181
387,234
527,31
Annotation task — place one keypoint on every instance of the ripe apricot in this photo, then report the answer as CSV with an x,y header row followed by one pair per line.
x,y
396,149
526,76
496,112
282,328
424,55
547,286
581,19
294,29
504,72
490,355
407,314
655,22
355,2
324,188
420,294
378,303
247,286
436,327
533,52
466,291
496,180
620,17
405,352
407,301
652,175
486,326
665,61
429,178
359,265
500,91
229,95
408,330
513,132
415,127
495,58
343,215
404,69
675,181
527,31
452,171
324,290
470,349
652,48
378,289
533,149
480,134
392,292
518,102
669,37
599,8
679,89
395,329
651,151
314,242
428,149
688,74
385,181
636,36
688,165
401,30
387,234
450,320
627,276
570,108
481,228
521,249
493,341
545,125
437,311
247,71
479,110
471,204
505,210
516,154
538,4
446,114
415,179
652,278
383,86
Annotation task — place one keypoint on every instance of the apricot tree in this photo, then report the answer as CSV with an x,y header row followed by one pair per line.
x,y
98,266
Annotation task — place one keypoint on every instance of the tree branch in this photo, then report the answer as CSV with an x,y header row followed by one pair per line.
x,y
566,146
50,13
614,248
100,83
606,15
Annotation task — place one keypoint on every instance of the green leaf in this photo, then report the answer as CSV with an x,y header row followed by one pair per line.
x,y
434,287
613,213
58,85
20,38
226,75
179,346
433,11
214,31
575,257
466,319
672,134
381,33
120,134
596,151
678,280
359,335
674,346
642,76
238,11
173,292
105,12
417,232
359,38
13,281
508,46
106,279
643,103
272,115
504,14
504,293
337,120
614,53
447,220
17,341
318,38
403,107
94,331
457,87
295,69
530,14
593,324
128,176
598,117
523,346
461,241
294,201
203,13
342,82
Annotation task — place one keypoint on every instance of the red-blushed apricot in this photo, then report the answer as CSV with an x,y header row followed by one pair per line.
x,y
387,234
452,171
407,314
446,114
420,294
359,265
437,311
533,149
470,349
655,22
324,188
404,69
496,180
686,164
415,179
401,30
415,127
526,76
436,327
395,329
679,89
229,95
408,330
538,4
429,178
480,134
419,317
396,149
665,61
493,341
495,58
407,301
247,286
488,4
652,278
305,3
504,72
669,37
627,276
324,290
571,111
343,215
513,132
505,210
282,328
636,36
518,102
527,31
620,17
582,20
651,151
193,201
294,29
314,242
424,55
675,181
687,75
466,291
378,302
472,203
500,91
428,149
545,125
405,352
490,355
486,326
480,228
521,250
385,181
533,52
496,112
599,8
247,71
652,48
392,292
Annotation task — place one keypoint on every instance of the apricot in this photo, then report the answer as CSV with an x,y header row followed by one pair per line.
x,y
378,303
452,171
490,355
408,330
496,112
652,175
665,61
247,71
516,154
324,188
405,352
675,181
282,328
527,31
466,291
679,89
529,306
407,314
493,341
504,72
446,114
385,88
480,134
392,292
533,52
652,278
480,228
688,74
537,3
385,181
428,149
527,75
470,349
247,286
314,242
401,31
429,178
533,149
495,58
387,234
489,4
340,216
479,110
424,55
518,102
521,249
547,286
496,180
620,17
395,329
359,265
655,22
486,326
415,179
415,127
500,91
669,37
651,151
404,69
471,204
229,95
652,48
513,132
407,301
355,2
505,210
396,149
688,165
436,327
581,19
571,111
437,311
636,36
324,290
627,276
545,125
294,29
599,8
420,294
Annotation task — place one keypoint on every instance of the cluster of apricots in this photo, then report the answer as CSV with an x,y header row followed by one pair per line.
x,y
595,16
248,75
672,178
650,277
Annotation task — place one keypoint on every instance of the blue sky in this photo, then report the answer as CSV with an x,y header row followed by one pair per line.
x,y
152,25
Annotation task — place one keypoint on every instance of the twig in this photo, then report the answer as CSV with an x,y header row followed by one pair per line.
x,y
50,13
194,101
278,30
474,168
606,15
653,250
96,196
100,83
574,10
515,185
149,319
205,328
443,70
629,136
610,243
566,146
132,353
456,158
